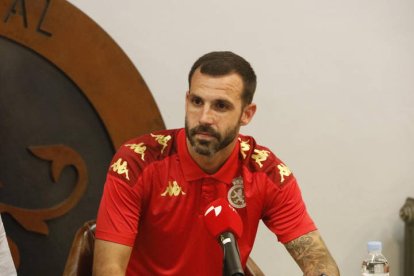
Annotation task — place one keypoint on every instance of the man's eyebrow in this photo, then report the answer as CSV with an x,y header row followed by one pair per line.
x,y
219,100
193,94
223,101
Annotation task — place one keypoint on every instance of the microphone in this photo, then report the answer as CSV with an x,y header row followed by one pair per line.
x,y
224,223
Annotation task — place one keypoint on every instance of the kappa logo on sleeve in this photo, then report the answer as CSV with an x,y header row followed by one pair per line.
x,y
120,167
259,156
162,140
244,147
283,171
139,149
173,189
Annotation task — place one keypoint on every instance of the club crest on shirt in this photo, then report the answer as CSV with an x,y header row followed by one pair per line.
x,y
235,195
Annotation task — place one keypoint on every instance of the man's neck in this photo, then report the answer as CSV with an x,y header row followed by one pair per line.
x,y
211,164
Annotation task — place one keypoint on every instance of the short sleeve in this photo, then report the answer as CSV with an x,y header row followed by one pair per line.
x,y
120,207
285,212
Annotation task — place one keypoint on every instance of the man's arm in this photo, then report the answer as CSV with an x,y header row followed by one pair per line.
x,y
110,258
312,255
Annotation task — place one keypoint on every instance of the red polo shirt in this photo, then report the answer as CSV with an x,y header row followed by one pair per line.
x,y
155,196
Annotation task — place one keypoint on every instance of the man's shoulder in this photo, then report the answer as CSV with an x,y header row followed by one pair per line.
x,y
157,143
256,156
152,146
260,159
138,153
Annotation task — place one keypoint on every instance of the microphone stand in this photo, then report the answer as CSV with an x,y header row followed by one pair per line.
x,y
231,261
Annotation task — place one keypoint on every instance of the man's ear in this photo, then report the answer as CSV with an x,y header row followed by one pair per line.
x,y
187,96
247,114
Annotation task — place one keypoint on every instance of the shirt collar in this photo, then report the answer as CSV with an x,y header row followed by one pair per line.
x,y
193,172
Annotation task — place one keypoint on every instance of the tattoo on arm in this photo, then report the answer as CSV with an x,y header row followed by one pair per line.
x,y
311,254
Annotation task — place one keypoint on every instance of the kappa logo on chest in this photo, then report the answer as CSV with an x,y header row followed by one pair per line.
x,y
173,189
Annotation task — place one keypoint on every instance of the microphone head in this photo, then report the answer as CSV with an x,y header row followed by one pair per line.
x,y
221,217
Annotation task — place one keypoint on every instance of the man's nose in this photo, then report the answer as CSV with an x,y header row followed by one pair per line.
x,y
207,116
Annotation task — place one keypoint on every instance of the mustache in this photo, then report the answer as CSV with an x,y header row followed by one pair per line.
x,y
204,129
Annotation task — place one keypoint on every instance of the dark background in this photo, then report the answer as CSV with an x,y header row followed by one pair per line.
x,y
40,106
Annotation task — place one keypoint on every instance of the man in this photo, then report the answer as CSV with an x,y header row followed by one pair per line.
x,y
150,221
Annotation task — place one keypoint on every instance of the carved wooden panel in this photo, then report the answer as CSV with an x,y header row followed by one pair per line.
x,y
407,215
68,97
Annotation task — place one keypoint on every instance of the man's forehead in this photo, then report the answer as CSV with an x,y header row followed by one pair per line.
x,y
211,96
226,82
198,73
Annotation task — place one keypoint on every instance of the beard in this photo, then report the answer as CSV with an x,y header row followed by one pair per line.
x,y
210,147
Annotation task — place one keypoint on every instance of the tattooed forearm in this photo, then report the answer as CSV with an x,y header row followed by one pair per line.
x,y
312,255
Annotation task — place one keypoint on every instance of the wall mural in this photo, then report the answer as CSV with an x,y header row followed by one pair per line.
x,y
69,96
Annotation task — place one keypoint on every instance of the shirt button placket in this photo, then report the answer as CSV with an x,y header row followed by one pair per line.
x,y
208,193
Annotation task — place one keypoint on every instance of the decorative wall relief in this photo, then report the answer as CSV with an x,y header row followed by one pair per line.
x,y
69,97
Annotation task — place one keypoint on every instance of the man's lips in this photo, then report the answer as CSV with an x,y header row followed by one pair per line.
x,y
204,132
205,135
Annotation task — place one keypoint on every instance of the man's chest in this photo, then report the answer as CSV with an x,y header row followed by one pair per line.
x,y
167,190
173,206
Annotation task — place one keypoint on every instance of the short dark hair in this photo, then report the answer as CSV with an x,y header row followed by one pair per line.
x,y
224,62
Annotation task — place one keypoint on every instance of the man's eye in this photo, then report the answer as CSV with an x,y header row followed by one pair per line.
x,y
221,106
196,101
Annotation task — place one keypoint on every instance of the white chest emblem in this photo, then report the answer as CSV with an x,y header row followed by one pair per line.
x,y
235,195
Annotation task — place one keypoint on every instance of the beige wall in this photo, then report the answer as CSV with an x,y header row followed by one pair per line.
x,y
335,100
